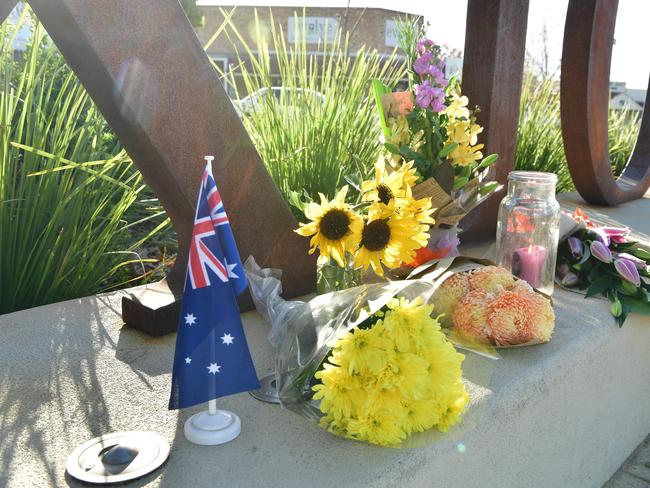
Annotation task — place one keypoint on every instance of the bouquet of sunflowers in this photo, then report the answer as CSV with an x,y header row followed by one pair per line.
x,y
430,128
385,229
370,363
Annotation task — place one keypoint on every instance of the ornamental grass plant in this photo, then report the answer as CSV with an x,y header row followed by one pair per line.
x,y
539,142
70,198
321,128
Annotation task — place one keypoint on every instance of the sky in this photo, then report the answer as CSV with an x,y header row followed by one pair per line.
x,y
630,59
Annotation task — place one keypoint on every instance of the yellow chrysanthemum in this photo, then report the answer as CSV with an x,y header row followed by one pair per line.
x,y
389,238
334,228
415,386
457,398
386,187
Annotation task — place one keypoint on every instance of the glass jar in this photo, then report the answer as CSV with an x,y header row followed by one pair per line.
x,y
331,277
528,228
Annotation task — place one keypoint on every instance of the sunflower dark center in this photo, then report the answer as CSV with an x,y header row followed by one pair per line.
x,y
384,193
375,235
334,224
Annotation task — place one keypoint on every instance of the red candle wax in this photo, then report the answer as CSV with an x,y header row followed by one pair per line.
x,y
528,264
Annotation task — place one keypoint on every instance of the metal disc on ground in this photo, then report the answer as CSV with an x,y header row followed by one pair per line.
x,y
118,457
267,392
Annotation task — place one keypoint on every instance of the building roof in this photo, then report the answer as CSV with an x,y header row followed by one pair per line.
x,y
354,5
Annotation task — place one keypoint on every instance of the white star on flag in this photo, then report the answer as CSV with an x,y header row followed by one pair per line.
x,y
188,360
227,339
190,319
214,368
230,268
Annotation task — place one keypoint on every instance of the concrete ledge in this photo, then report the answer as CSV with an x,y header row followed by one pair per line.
x,y
566,414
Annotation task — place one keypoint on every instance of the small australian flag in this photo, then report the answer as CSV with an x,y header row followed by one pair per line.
x,y
212,357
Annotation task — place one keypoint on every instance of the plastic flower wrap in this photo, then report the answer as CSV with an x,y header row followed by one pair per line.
x,y
489,305
369,363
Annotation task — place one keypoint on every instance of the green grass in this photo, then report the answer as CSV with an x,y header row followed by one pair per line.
x,y
539,142
308,145
70,198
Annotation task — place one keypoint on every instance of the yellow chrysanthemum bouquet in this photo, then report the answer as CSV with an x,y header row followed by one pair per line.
x,y
431,128
385,229
369,363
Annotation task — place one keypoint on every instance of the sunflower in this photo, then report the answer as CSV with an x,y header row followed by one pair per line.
x,y
389,238
334,228
386,187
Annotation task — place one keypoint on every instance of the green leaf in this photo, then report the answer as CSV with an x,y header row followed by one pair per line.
x,y
636,305
460,183
640,253
599,286
488,160
447,149
488,188
391,148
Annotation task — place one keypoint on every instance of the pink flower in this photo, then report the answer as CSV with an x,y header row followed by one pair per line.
x,y
424,45
421,65
438,75
627,270
639,263
601,252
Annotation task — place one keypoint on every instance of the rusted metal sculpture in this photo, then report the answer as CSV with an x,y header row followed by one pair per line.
x,y
144,67
586,59
495,42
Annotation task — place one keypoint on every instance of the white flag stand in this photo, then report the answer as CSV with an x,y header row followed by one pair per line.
x,y
213,426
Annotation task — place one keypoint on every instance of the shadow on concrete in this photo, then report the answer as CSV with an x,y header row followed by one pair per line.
x,y
44,371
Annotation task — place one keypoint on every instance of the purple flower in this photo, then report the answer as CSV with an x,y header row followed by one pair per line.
x,y
421,64
627,270
570,279
575,245
438,75
638,262
424,94
449,244
601,252
424,45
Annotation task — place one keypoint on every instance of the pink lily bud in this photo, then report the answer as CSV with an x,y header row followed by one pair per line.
x,y
575,245
601,252
570,279
627,270
638,262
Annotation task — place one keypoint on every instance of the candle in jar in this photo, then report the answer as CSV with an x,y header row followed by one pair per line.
x,y
528,264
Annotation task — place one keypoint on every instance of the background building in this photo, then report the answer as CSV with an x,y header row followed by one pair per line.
x,y
374,28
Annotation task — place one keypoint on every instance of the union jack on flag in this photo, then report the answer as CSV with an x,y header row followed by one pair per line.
x,y
212,357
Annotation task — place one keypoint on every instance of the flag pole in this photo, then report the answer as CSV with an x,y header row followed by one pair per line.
x,y
212,407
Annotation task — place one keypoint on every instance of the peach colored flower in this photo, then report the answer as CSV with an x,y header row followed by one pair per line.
x,y
542,316
509,319
446,297
490,279
470,316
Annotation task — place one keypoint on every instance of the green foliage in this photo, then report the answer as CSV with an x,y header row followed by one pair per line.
x,y
69,196
194,13
310,143
539,142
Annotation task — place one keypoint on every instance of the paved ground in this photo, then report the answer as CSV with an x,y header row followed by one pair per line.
x,y
635,472
564,414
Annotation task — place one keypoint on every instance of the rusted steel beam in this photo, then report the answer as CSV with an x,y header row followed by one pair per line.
x,y
586,59
495,42
144,67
